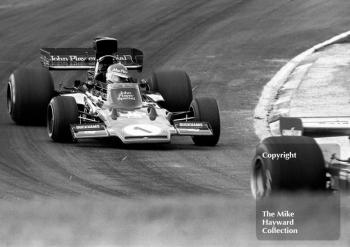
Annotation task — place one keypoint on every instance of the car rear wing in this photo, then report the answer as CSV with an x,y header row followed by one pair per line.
x,y
85,58
311,126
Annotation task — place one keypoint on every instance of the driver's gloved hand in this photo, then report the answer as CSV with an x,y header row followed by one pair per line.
x,y
144,85
100,103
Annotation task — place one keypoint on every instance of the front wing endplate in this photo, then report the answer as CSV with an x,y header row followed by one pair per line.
x,y
193,128
80,131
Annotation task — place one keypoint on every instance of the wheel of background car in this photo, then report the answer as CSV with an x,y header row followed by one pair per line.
x,y
28,93
305,171
175,87
61,112
206,110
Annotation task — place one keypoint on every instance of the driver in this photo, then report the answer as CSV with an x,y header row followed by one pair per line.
x,y
115,73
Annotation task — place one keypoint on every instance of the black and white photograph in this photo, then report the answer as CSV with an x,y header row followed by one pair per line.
x,y
174,123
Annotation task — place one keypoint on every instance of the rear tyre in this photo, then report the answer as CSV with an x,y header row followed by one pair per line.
x,y
28,93
175,87
306,171
61,113
206,110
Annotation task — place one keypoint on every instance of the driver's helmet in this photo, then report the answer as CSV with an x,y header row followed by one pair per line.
x,y
117,73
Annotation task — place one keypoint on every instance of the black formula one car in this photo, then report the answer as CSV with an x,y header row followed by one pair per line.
x,y
297,157
138,111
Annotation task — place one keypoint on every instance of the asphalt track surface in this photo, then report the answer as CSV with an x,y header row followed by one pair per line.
x,y
229,48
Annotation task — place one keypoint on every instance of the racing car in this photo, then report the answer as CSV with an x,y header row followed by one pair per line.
x,y
139,111
297,157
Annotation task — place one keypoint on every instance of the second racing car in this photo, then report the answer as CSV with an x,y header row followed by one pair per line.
x,y
302,154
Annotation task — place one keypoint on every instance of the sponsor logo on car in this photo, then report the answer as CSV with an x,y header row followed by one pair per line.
x,y
125,95
88,126
121,71
72,58
191,124
123,57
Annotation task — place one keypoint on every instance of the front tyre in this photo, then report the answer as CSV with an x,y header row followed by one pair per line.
x,y
206,110
61,113
28,93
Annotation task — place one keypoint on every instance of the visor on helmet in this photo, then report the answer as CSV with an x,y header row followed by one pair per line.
x,y
115,77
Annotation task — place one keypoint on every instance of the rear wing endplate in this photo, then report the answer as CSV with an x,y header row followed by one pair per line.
x,y
85,58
